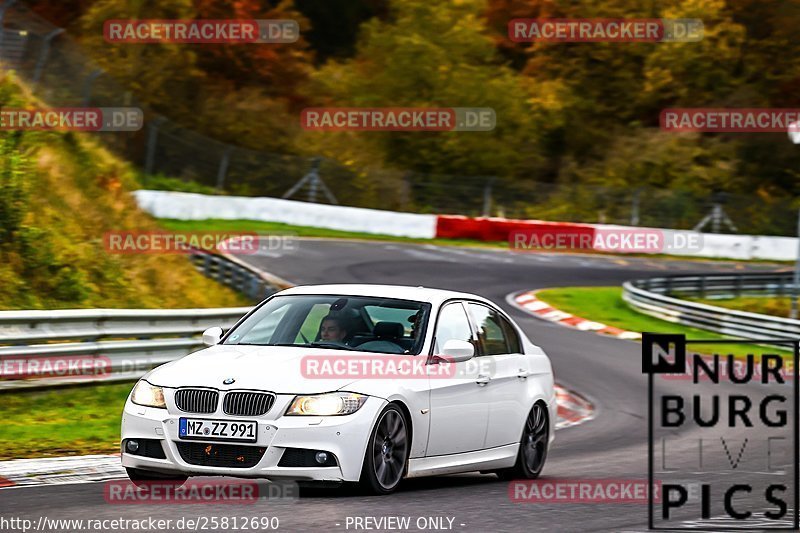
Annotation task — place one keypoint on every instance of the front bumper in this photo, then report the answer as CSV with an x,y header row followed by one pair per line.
x,y
344,436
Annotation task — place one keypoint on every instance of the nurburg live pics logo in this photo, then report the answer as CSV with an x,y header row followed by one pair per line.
x,y
733,434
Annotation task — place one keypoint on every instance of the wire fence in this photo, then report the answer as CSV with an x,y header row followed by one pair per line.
x,y
61,74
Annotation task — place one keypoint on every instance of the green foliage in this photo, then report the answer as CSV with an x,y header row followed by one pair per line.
x,y
164,75
764,305
59,192
40,269
434,55
165,183
13,189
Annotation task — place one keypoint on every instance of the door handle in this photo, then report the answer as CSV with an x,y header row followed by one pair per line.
x,y
483,380
523,374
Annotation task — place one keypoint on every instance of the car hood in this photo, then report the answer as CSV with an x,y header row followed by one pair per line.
x,y
271,368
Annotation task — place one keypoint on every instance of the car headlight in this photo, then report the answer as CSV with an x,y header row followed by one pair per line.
x,y
148,395
335,403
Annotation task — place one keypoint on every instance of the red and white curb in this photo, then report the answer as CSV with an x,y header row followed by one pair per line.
x,y
60,470
528,301
572,410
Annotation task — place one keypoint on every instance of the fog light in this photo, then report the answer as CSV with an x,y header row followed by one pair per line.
x,y
321,457
132,446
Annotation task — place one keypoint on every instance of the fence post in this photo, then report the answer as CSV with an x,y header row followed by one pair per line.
x,y
207,265
3,10
635,208
252,292
223,167
796,279
152,141
487,198
87,86
44,54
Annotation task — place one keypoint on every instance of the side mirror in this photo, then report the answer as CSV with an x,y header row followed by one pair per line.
x,y
212,336
458,351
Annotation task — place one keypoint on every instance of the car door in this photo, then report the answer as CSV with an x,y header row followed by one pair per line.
x,y
459,411
501,359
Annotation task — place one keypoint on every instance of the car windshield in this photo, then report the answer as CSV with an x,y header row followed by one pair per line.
x,y
362,323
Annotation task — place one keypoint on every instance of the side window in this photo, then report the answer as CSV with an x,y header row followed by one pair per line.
x,y
491,334
512,337
452,324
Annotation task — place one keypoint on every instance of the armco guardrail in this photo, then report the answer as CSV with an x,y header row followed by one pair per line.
x,y
656,297
229,270
129,341
132,341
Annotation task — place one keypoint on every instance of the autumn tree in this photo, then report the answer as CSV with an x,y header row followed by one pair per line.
x,y
277,69
165,76
435,55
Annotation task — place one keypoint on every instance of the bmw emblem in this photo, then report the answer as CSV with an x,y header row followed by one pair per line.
x,y
228,381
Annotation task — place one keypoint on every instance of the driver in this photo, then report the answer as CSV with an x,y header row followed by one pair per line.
x,y
332,329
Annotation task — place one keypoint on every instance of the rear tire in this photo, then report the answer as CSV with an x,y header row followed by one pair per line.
x,y
145,479
532,452
387,452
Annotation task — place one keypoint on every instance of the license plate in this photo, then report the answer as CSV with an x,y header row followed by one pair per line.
x,y
203,428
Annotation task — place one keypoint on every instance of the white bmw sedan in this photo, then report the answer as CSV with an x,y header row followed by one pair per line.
x,y
348,383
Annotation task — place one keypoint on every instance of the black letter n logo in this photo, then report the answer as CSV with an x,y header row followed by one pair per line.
x,y
663,353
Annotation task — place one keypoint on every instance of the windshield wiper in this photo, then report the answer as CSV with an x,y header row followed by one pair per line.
x,y
332,345
284,344
244,344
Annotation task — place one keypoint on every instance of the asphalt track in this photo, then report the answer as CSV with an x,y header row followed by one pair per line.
x,y
606,370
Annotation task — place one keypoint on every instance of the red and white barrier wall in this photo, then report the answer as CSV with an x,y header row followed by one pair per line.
x,y
191,206
502,229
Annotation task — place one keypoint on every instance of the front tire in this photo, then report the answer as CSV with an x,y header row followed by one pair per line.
x,y
387,452
144,479
532,452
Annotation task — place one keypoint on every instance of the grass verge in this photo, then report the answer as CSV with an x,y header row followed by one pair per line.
x,y
605,304
64,421
763,305
279,228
